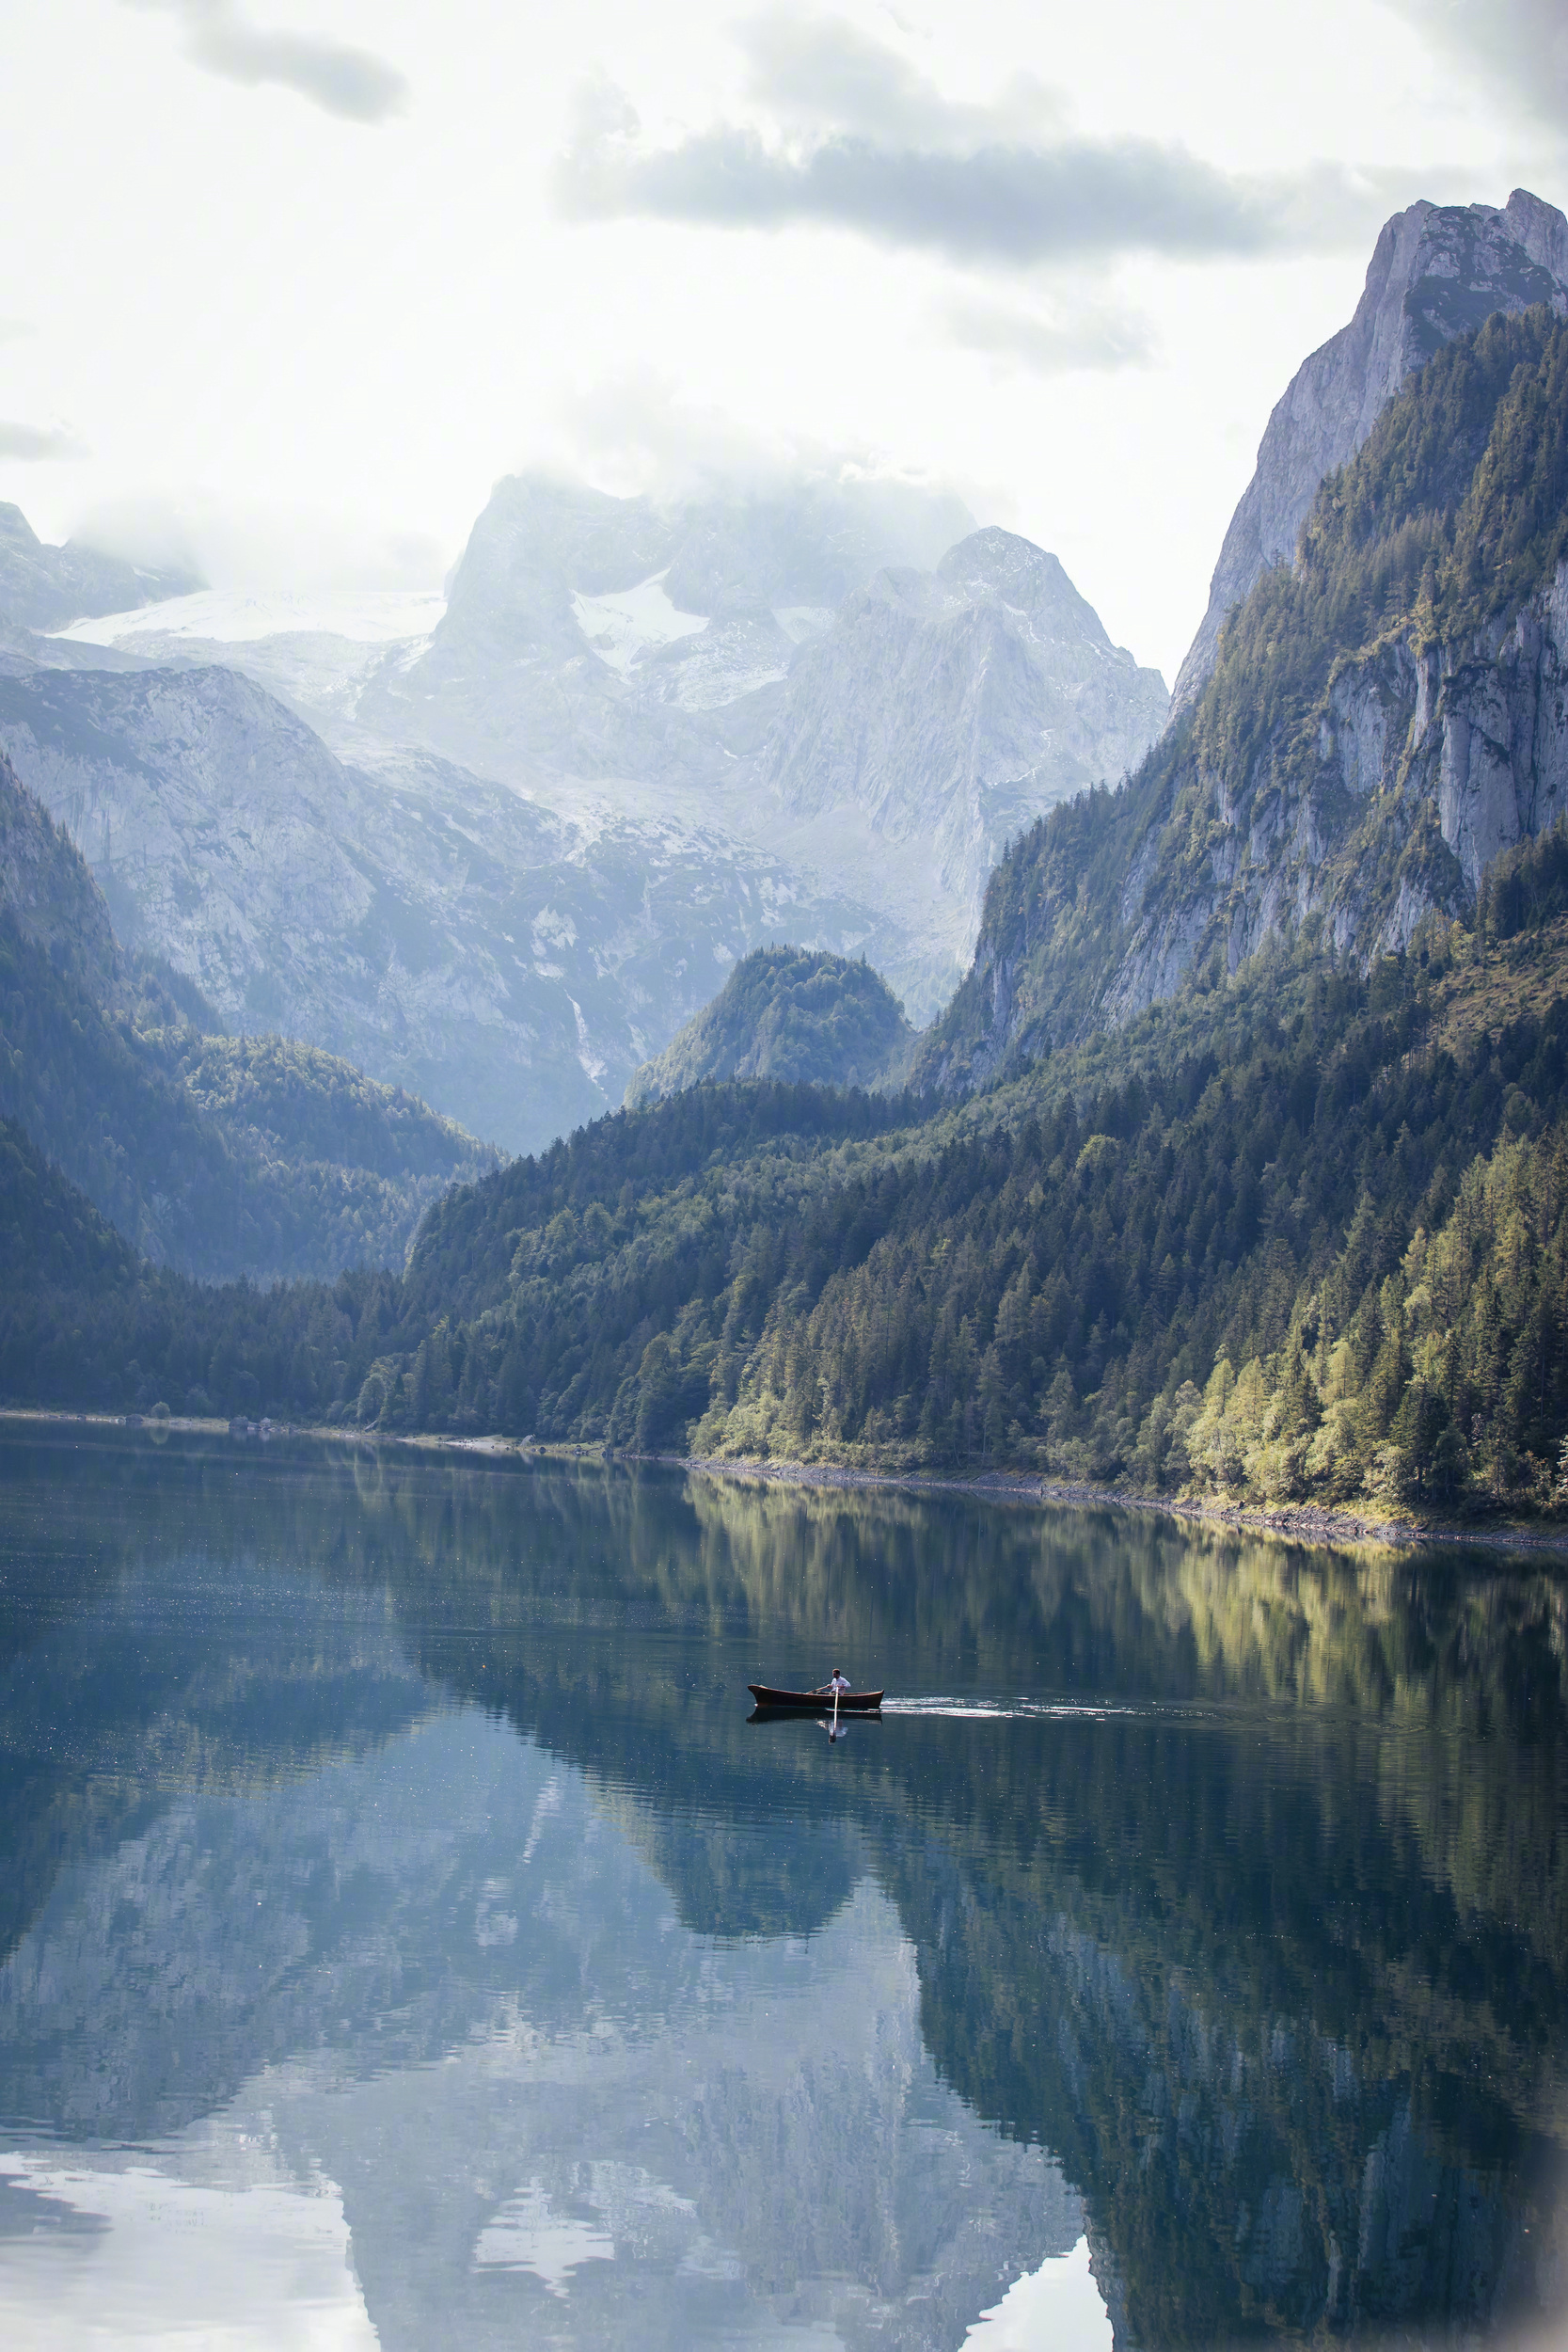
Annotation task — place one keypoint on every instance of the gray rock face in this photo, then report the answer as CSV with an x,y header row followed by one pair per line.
x,y
605,637
1437,271
48,890
808,670
1430,760
1476,733
511,967
949,709
45,587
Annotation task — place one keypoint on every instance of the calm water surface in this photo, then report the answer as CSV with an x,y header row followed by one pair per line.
x,y
406,1941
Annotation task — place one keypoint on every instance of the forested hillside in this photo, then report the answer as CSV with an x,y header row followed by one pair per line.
x,y
1333,1265
788,1013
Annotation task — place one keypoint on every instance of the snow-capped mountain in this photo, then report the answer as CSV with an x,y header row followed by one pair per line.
x,y
597,637
498,843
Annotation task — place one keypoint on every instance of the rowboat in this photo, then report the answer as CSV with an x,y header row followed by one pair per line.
x,y
816,1702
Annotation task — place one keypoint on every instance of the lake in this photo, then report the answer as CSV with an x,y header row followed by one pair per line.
x,y
405,1940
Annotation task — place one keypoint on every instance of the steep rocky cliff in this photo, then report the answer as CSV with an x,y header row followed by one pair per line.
x,y
1437,271
221,1156
816,670
944,711
604,637
47,891
1384,717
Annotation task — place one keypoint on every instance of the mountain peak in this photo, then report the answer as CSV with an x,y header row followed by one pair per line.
x,y
1011,566
1437,271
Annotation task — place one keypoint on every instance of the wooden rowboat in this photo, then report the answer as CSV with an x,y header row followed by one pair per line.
x,y
816,1702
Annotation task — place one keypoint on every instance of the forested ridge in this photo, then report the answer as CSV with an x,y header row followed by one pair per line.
x,y
1331,1265
788,1013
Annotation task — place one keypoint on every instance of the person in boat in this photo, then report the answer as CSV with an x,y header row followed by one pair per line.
x,y
835,1688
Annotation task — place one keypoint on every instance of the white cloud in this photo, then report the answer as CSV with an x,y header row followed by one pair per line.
x,y
234,544
1087,335
35,443
352,83
850,136
1519,46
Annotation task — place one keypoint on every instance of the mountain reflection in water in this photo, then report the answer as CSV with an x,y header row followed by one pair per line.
x,y
404,1939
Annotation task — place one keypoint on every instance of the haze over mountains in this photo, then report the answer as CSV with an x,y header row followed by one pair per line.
x,y
498,849
445,934
221,1156
45,587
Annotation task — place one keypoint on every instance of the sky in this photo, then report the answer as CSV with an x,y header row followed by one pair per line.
x,y
289,284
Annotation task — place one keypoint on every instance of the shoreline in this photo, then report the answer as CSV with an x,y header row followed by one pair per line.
x,y
1292,1522
1306,1523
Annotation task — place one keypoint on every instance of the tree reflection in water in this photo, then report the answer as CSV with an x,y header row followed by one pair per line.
x,y
1256,1921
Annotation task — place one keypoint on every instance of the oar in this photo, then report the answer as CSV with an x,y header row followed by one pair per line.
x,y
835,1707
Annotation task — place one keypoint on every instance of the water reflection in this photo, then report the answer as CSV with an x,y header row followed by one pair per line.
x,y
386,1846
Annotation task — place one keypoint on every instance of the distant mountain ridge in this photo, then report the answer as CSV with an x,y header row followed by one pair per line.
x,y
45,587
684,731
221,1156
1437,271
439,931
528,672
787,1013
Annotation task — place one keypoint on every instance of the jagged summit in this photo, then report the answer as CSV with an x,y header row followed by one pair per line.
x,y
999,562
1437,271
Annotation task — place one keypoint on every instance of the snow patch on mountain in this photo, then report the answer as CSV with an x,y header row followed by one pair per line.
x,y
622,626
243,616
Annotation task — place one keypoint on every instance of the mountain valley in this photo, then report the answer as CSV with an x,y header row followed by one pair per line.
x,y
645,742
222,1157
1234,1165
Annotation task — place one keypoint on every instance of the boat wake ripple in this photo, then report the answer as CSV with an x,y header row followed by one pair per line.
x,y
986,1711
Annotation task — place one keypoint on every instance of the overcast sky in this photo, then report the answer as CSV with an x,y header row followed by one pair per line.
x,y
299,279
